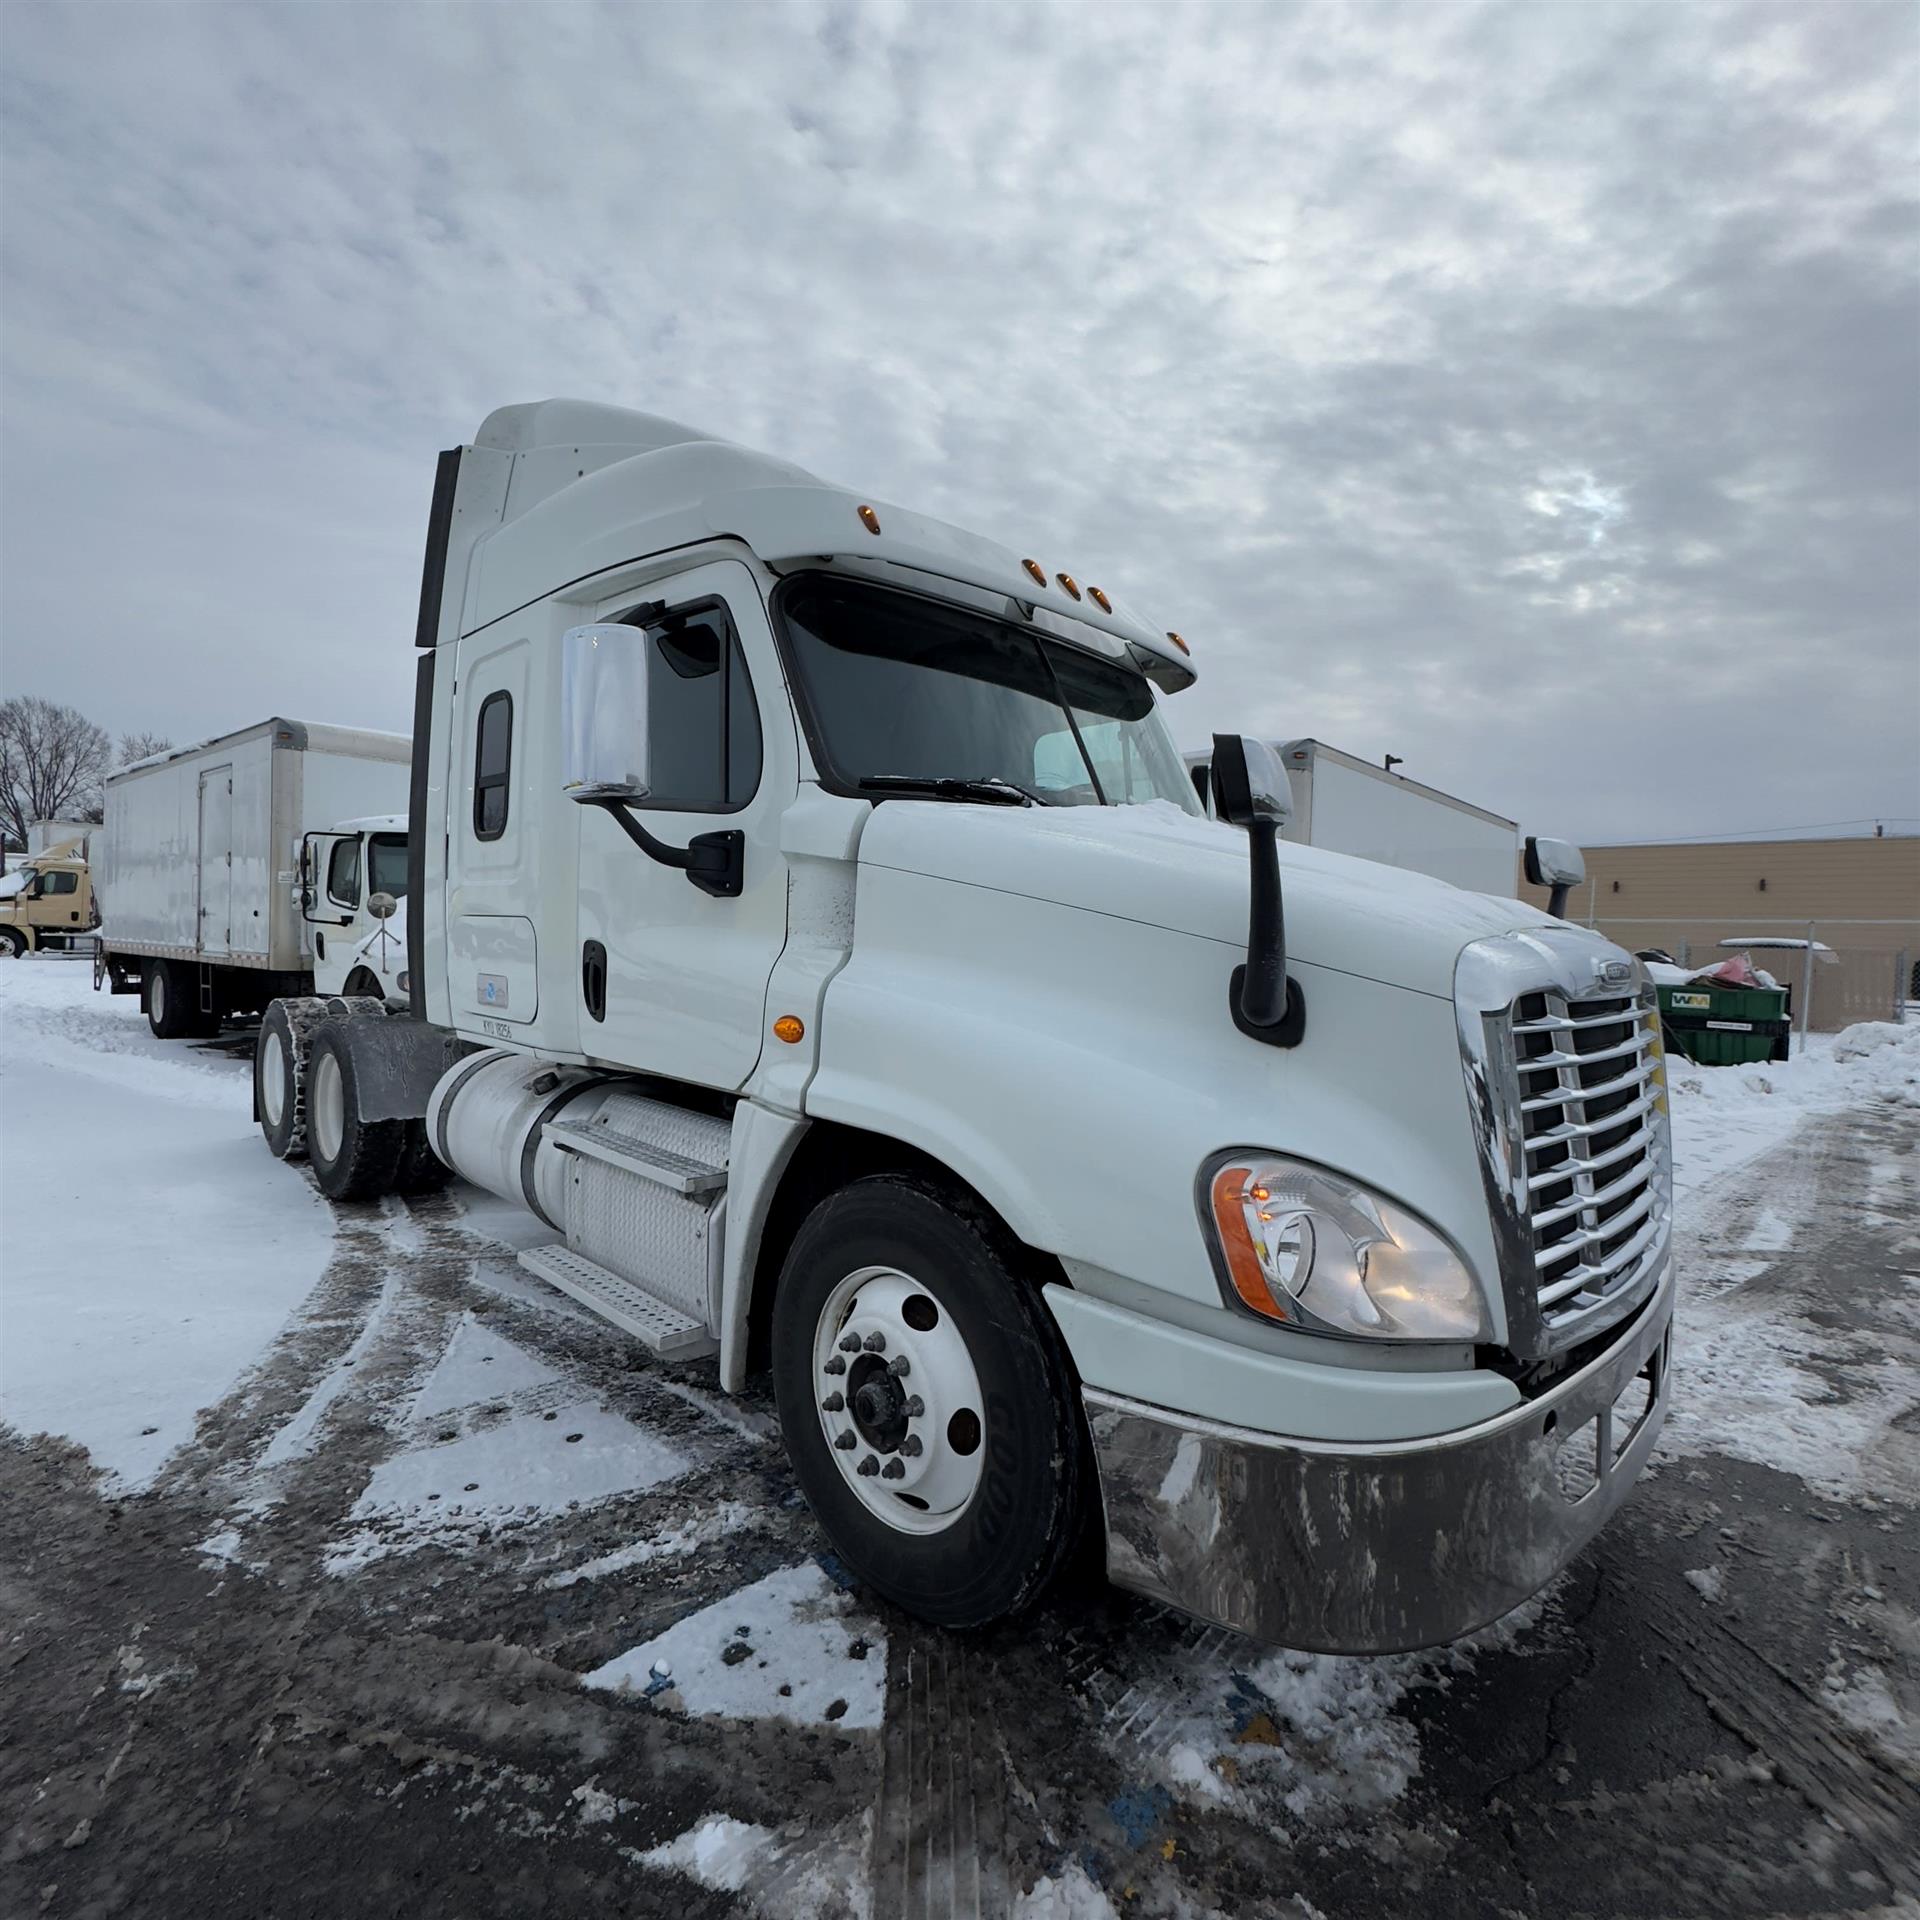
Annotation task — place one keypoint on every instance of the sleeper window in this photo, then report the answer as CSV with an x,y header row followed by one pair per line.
x,y
492,766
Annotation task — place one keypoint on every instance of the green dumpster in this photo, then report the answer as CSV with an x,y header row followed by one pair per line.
x,y
1717,1026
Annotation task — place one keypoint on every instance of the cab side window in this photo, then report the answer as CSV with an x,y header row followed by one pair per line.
x,y
59,883
492,766
343,873
703,746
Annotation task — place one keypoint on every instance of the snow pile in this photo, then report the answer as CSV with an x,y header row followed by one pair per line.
x,y
1725,1116
790,1647
1069,1896
720,1852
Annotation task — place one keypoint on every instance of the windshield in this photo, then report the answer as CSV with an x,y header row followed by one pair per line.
x,y
900,687
387,862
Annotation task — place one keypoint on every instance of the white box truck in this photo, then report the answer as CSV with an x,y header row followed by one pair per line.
x,y
812,922
1349,805
254,866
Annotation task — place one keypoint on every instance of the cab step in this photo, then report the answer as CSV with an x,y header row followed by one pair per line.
x,y
660,1165
658,1326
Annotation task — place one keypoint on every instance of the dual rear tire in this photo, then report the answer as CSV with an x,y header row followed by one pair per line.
x,y
173,1003
307,1096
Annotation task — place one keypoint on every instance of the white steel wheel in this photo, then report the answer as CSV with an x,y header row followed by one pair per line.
x,y
327,1107
899,1399
273,1077
12,944
159,993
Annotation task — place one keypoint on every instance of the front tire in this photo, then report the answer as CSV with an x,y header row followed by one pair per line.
x,y
13,943
352,1158
955,1485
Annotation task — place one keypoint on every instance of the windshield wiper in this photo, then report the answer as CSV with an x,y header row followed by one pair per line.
x,y
988,787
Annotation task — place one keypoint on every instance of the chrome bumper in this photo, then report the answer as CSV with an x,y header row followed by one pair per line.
x,y
1376,1549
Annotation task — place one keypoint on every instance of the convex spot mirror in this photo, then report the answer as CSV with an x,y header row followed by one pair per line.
x,y
381,905
1250,782
1554,863
603,712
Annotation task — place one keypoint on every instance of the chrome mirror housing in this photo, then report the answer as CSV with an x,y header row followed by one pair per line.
x,y
603,713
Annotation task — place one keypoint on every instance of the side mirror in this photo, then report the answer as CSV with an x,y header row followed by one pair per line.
x,y
1557,865
381,905
1554,863
603,713
1250,782
1251,789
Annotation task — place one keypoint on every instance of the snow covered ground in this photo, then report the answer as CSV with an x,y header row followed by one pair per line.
x,y
191,1313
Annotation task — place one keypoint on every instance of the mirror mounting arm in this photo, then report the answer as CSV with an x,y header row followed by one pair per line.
x,y
1265,1004
714,862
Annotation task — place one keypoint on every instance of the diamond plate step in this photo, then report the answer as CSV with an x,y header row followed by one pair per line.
x,y
676,1171
665,1329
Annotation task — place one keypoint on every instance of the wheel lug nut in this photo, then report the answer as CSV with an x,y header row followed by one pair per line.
x,y
835,1365
893,1470
832,1403
898,1367
915,1406
867,1467
910,1446
849,1343
876,1343
846,1442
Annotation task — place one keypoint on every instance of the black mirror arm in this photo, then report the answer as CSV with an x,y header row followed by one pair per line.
x,y
1557,899
1265,1004
714,862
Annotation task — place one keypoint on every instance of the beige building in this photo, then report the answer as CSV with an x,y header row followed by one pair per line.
x,y
1861,897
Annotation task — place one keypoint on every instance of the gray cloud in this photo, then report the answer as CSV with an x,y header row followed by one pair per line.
x,y
1532,391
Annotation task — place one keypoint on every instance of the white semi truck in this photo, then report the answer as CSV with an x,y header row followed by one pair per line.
x,y
227,876
813,923
1348,805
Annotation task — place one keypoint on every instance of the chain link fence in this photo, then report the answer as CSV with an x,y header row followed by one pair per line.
x,y
1853,970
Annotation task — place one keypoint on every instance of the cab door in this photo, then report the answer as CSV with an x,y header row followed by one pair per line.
x,y
673,980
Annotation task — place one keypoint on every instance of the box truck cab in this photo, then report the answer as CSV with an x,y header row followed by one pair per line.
x,y
46,902
353,883
813,923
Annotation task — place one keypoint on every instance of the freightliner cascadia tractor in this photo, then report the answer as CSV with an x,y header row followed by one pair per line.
x,y
812,922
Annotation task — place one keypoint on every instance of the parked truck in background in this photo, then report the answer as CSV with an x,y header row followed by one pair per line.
x,y
813,923
266,863
1348,805
46,902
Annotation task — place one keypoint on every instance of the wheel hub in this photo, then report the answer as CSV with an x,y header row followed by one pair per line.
x,y
899,1398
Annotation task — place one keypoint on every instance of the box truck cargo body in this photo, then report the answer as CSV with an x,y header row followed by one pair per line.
x,y
207,866
1348,805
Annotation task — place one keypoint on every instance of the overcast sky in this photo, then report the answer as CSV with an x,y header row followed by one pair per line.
x,y
1532,392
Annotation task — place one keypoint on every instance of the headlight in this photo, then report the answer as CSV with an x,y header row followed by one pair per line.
x,y
1302,1246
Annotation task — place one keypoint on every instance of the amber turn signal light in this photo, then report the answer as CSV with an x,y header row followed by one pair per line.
x,y
1178,642
1067,581
1231,1189
1036,572
1099,599
869,519
790,1028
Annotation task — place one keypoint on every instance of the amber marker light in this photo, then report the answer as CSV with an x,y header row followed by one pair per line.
x,y
1036,572
1099,599
1231,1193
1178,642
790,1028
1067,581
869,519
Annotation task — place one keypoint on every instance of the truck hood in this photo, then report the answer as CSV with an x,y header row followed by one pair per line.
x,y
1166,868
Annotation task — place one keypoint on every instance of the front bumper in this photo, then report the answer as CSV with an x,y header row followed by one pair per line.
x,y
1377,1549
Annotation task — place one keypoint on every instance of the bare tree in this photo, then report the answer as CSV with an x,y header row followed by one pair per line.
x,y
52,759
136,746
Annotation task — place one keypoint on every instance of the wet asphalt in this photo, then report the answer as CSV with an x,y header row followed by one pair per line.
x,y
187,1735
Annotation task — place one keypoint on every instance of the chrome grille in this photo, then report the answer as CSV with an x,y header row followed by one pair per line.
x,y
1591,1104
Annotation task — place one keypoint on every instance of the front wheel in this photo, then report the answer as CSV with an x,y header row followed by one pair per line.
x,y
928,1403
13,943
